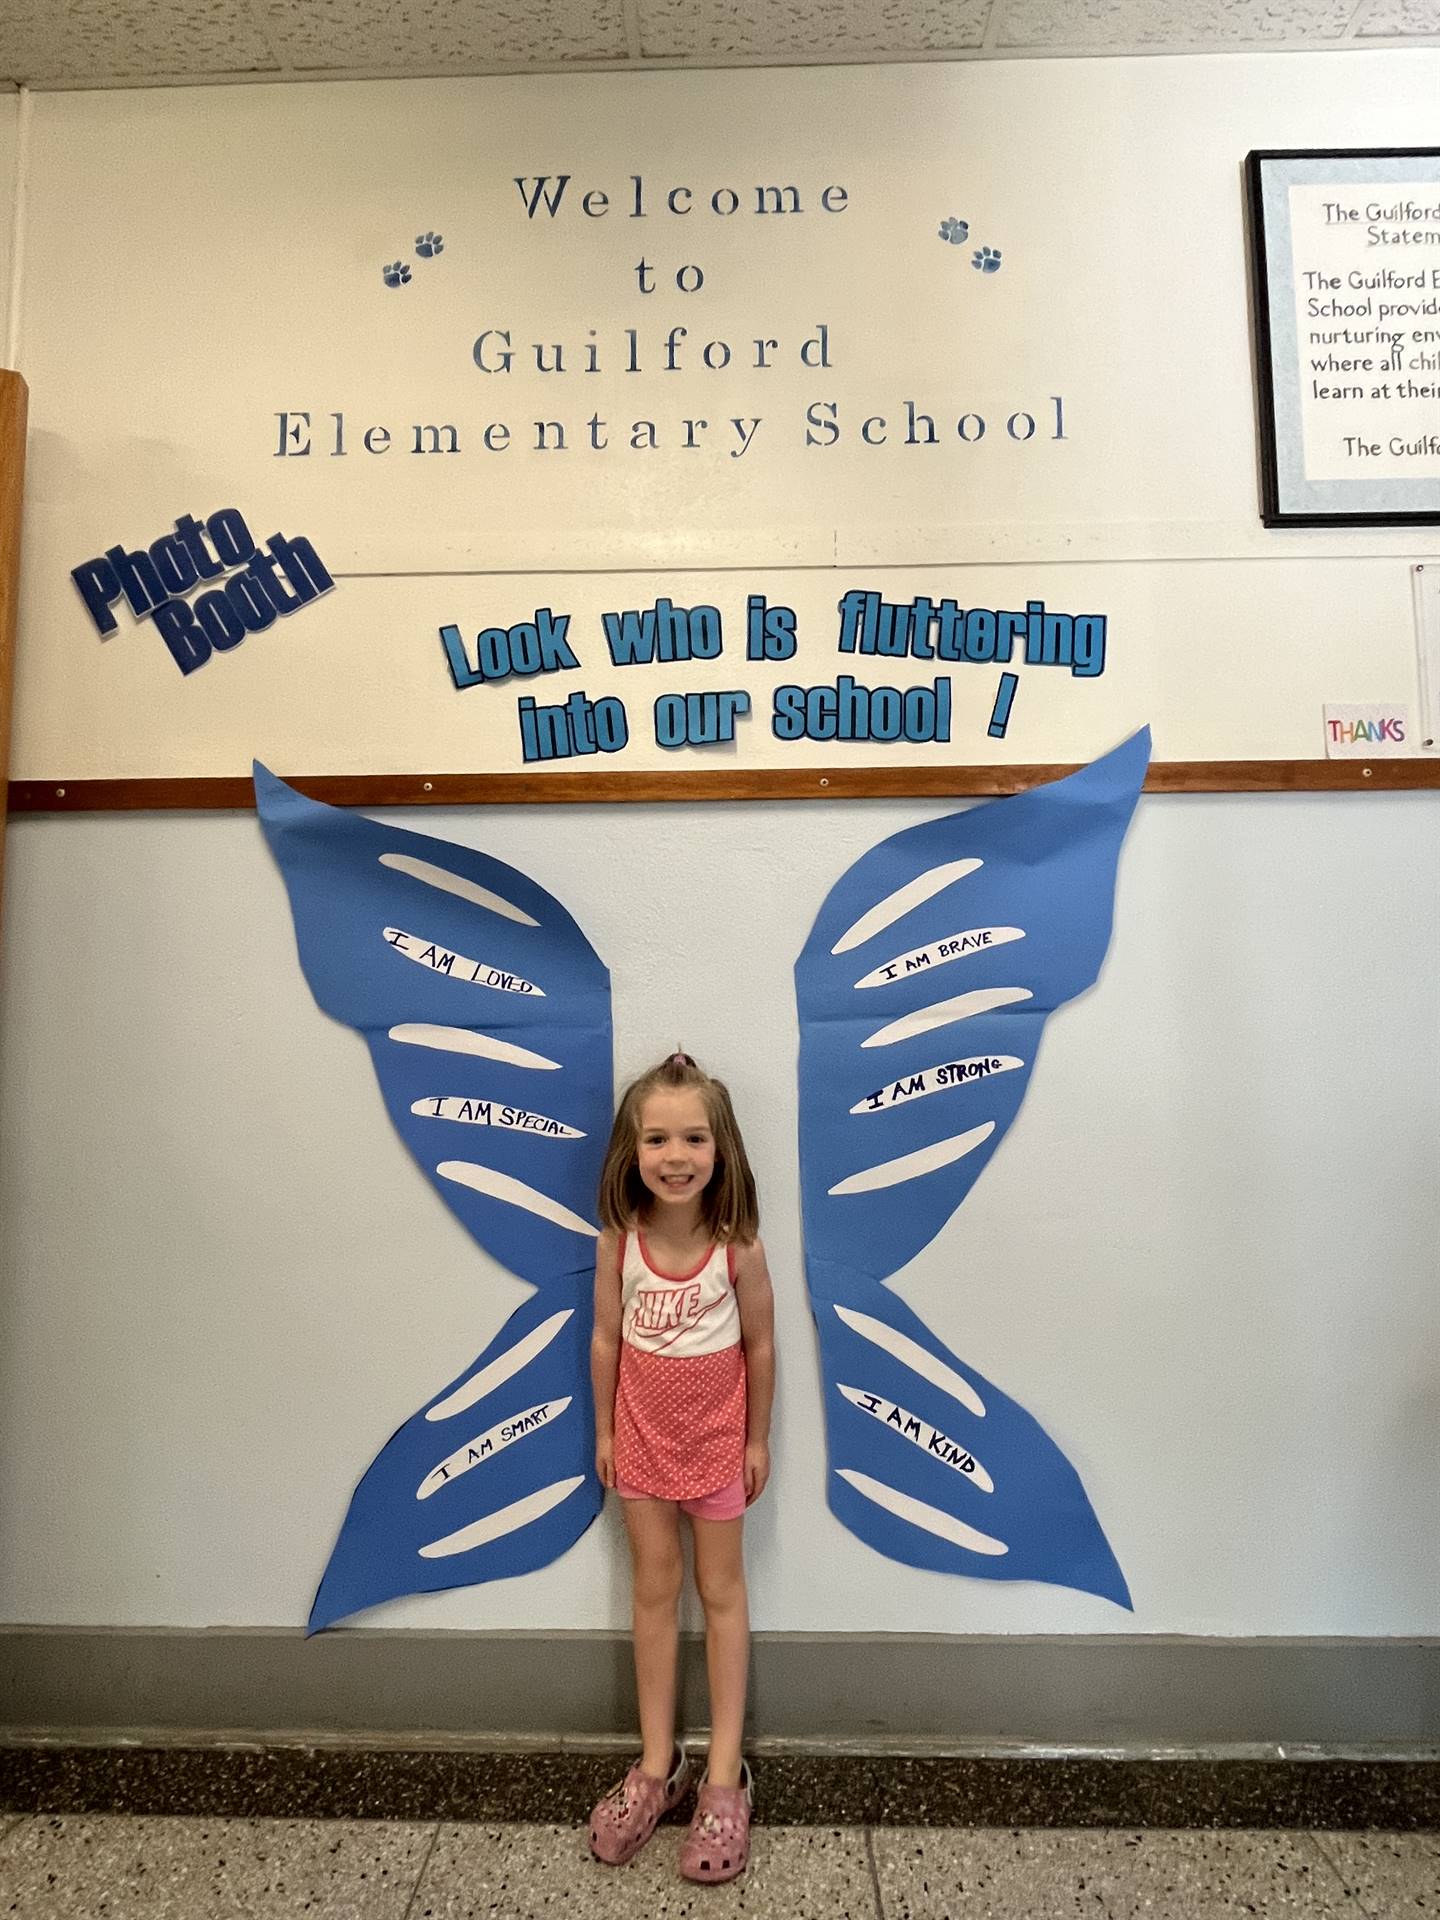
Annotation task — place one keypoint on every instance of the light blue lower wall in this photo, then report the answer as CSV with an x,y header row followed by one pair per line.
x,y
1205,1257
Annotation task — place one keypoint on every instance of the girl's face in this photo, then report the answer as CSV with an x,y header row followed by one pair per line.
x,y
676,1150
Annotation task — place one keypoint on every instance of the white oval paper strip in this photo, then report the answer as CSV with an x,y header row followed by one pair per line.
x,y
508,1520
486,1445
911,1354
920,1434
419,1033
448,882
950,1073
903,900
943,1013
458,966
515,1193
919,1514
502,1368
492,1113
913,1166
939,953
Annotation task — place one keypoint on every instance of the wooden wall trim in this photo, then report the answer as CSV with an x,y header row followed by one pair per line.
x,y
234,793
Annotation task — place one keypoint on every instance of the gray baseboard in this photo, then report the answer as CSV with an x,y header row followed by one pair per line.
x,y
895,1692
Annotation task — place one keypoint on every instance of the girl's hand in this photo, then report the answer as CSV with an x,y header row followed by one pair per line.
x,y
605,1460
757,1470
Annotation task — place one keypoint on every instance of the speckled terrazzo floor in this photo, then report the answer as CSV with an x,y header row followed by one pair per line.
x,y
133,1867
424,1785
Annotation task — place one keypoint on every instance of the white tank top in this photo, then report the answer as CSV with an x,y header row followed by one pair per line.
x,y
678,1314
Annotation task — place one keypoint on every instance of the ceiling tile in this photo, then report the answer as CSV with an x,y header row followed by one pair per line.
x,y
677,29
1132,23
427,35
89,40
1402,16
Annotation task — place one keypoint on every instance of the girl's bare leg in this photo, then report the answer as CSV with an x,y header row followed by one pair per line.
x,y
654,1529
720,1576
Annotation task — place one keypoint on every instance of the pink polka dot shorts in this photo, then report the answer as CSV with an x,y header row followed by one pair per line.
x,y
726,1503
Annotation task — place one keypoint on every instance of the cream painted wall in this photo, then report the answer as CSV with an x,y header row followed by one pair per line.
x,y
212,259
9,137
1205,1258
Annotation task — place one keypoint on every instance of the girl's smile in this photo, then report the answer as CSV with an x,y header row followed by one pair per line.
x,y
675,1153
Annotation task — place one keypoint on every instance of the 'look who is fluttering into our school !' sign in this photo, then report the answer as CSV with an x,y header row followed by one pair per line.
x,y
241,588
665,422
944,636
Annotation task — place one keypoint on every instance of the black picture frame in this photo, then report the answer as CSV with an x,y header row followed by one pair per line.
x,y
1289,496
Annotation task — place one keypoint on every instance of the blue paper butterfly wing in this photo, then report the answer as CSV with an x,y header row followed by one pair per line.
x,y
487,1015
471,1489
956,1478
548,1052
923,990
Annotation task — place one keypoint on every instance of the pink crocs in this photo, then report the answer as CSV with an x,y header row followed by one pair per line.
x,y
625,1819
717,1846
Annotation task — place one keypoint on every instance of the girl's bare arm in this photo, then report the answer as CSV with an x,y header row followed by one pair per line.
x,y
756,1301
605,1352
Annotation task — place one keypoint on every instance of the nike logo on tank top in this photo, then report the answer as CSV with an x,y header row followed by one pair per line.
x,y
678,1314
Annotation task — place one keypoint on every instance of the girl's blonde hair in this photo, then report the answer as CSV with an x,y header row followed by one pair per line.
x,y
728,1206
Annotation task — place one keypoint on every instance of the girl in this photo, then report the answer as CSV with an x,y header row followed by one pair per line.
x,y
683,1362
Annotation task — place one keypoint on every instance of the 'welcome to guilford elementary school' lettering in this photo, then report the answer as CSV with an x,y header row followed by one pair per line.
x,y
502,355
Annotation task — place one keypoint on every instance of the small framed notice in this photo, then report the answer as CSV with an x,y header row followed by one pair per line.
x,y
1345,263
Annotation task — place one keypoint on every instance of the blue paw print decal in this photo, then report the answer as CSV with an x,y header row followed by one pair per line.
x,y
427,245
986,260
954,230
396,274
